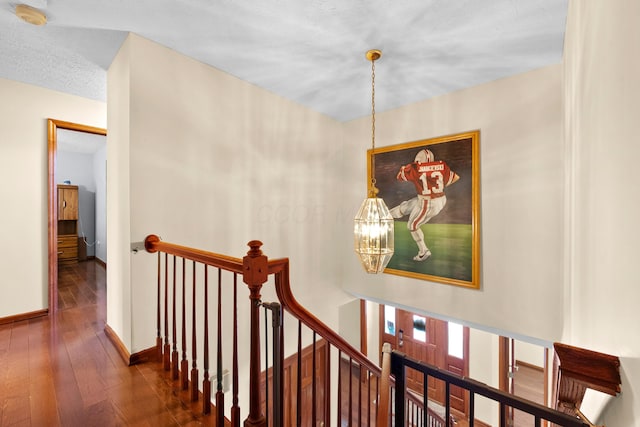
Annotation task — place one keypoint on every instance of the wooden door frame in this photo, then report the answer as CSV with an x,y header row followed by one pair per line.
x,y
52,149
466,343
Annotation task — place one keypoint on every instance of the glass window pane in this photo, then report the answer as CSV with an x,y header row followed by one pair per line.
x,y
419,328
455,340
389,320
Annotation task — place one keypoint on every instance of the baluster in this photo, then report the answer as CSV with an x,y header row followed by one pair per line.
x,y
368,397
266,369
299,378
194,341
472,407
327,387
425,394
167,346
158,327
235,409
350,393
314,396
184,364
377,407
339,423
206,383
174,354
279,363
447,402
220,392
398,371
360,372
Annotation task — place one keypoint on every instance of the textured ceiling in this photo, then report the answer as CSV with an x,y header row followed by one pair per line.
x,y
309,51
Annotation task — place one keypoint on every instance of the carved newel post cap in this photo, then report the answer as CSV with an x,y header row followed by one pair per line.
x,y
255,248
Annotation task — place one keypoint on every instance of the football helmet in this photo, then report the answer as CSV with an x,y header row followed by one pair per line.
x,y
424,156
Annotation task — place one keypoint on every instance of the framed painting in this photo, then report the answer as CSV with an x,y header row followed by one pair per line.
x,y
432,190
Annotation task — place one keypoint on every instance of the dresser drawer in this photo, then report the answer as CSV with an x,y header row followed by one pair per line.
x,y
67,241
67,253
67,248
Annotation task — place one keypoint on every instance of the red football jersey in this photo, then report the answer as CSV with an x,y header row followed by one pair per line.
x,y
428,178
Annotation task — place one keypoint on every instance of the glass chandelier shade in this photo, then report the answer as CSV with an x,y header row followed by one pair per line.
x,y
373,226
373,235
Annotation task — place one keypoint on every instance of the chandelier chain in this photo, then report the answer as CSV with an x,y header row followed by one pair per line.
x,y
373,126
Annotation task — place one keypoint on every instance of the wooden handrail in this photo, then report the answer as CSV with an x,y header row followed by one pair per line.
x,y
289,303
279,267
577,369
399,361
153,244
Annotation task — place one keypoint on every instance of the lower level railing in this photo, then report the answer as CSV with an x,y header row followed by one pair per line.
x,y
403,412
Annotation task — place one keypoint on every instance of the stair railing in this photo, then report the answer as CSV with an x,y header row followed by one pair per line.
x,y
400,362
323,379
327,376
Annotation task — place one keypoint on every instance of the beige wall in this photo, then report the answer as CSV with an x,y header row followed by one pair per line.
x,y
602,98
24,111
119,307
522,187
206,160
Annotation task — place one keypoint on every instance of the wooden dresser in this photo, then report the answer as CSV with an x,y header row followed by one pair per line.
x,y
67,224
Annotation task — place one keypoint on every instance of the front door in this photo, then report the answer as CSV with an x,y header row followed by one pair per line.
x,y
436,342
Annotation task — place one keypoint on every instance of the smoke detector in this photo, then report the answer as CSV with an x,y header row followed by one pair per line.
x,y
30,15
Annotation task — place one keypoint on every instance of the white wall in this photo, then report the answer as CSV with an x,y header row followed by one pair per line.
x,y
602,98
100,178
118,208
76,168
24,111
209,161
483,367
522,179
349,323
529,353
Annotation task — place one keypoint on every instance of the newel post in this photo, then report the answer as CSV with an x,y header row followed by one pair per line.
x,y
255,271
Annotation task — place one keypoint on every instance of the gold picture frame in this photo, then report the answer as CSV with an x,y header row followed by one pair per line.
x,y
437,199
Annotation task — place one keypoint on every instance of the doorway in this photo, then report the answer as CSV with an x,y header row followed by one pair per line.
x,y
523,372
53,206
434,341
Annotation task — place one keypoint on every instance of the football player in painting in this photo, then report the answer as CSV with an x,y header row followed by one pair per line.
x,y
430,177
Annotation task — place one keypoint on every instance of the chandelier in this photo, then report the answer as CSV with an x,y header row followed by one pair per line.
x,y
373,226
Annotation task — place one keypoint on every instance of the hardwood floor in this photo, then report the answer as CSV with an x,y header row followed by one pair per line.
x,y
529,383
63,371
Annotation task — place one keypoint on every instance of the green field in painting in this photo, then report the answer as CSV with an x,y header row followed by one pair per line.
x,y
451,251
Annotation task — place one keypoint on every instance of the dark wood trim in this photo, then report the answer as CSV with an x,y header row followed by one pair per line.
x,y
52,147
529,365
101,262
24,316
479,423
118,344
576,369
147,355
363,327
503,364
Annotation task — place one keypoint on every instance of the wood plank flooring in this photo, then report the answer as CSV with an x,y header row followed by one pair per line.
x,y
529,383
63,371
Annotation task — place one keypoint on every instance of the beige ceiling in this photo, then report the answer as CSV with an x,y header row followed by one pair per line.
x,y
309,51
